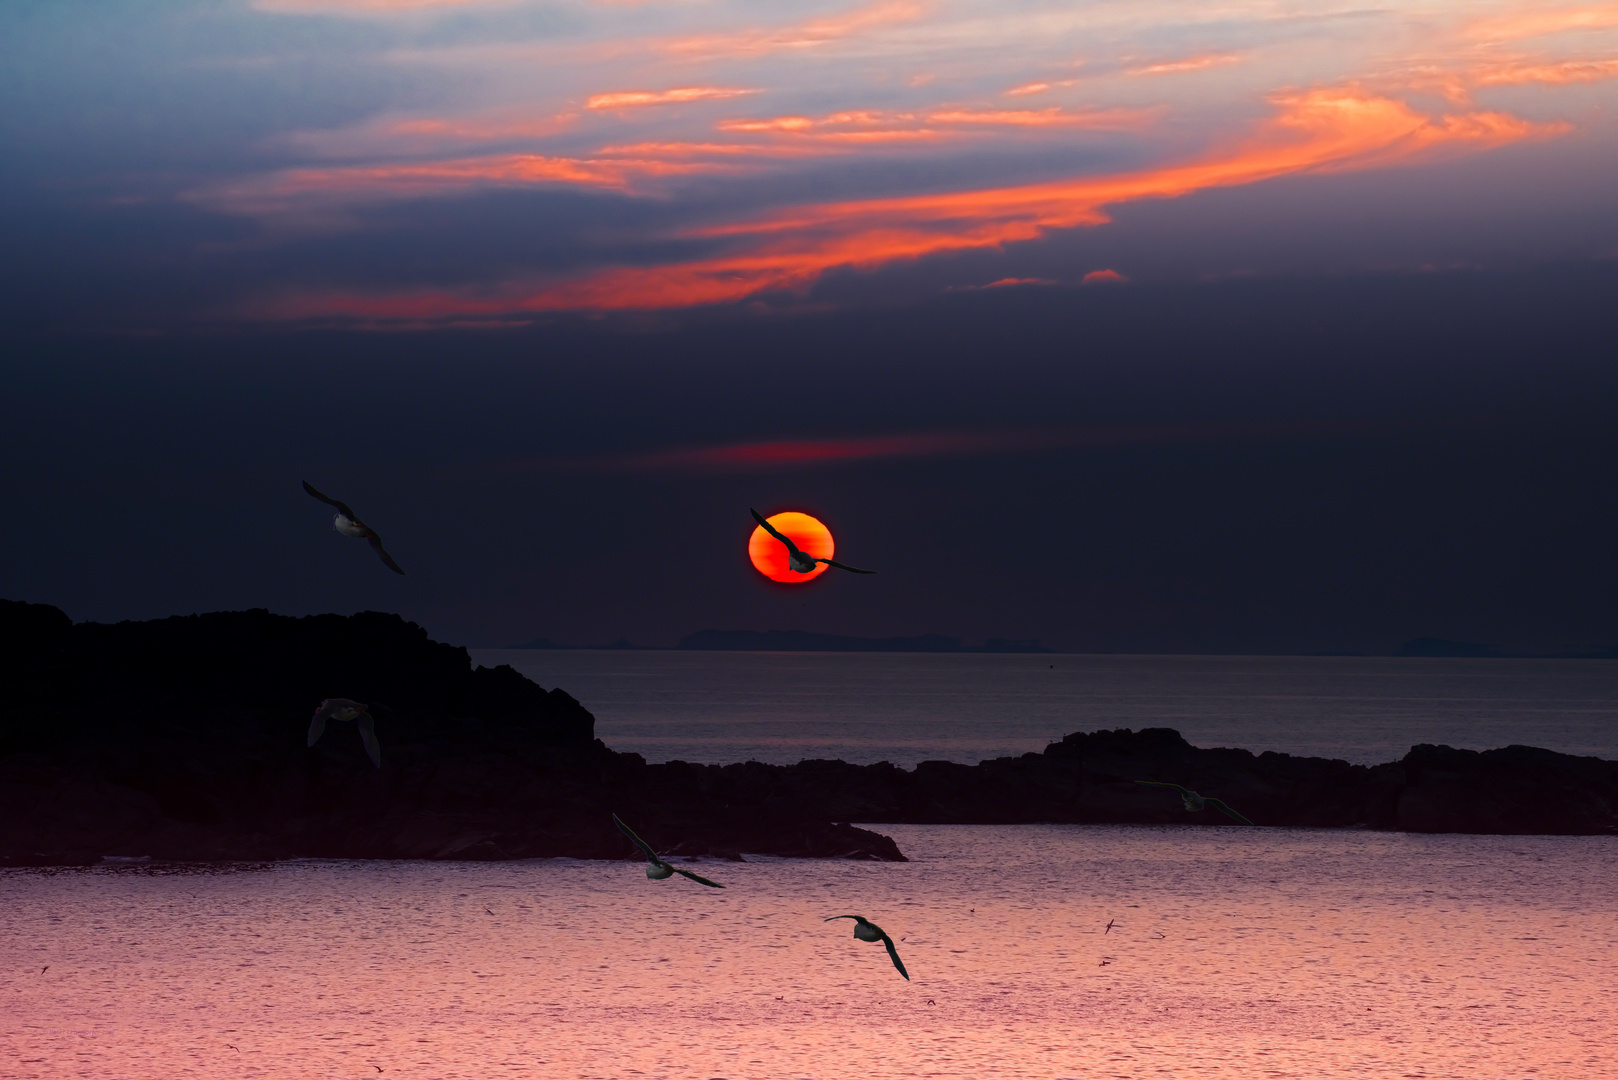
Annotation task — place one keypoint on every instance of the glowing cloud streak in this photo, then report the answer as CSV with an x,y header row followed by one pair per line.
x,y
1326,130
779,454
1190,63
624,99
805,35
286,192
1097,120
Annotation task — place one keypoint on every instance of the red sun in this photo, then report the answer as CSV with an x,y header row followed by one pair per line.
x,y
769,555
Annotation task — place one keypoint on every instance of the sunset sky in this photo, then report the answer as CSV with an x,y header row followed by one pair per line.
x,y
1248,326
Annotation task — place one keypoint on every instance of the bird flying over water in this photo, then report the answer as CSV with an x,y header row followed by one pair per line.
x,y
1193,801
656,868
796,558
343,709
346,523
866,930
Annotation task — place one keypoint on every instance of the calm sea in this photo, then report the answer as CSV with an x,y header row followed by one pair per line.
x,y
1234,953
910,707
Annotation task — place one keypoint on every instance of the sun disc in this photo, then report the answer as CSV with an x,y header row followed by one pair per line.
x,y
769,555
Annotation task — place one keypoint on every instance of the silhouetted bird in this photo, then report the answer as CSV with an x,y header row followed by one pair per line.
x,y
343,709
1193,801
346,523
866,930
800,562
656,868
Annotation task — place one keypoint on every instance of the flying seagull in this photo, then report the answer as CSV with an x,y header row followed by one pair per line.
x,y
866,930
656,868
343,709
346,523
1193,801
801,563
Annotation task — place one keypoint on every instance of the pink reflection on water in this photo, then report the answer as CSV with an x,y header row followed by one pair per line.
x,y
1234,953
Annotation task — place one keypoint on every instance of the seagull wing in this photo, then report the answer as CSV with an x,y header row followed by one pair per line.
x,y
698,878
343,506
844,566
1159,783
773,531
1219,804
894,954
376,545
373,749
317,723
643,845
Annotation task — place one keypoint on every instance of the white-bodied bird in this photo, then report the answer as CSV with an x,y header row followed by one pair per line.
x,y
800,562
346,523
866,930
656,868
1193,801
338,708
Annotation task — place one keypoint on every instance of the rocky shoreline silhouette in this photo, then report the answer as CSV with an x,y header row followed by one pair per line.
x,y
183,739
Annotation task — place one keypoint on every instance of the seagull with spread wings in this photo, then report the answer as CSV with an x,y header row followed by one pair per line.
x,y
338,708
866,930
801,562
1194,802
656,868
346,523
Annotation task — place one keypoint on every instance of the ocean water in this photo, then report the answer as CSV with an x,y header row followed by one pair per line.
x,y
720,707
1234,953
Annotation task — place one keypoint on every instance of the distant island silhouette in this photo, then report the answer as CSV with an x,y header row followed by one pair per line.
x,y
807,641
804,641
1444,647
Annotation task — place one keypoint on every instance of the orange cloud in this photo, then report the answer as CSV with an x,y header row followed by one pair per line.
x,y
1190,63
1007,282
807,123
284,192
1323,130
1097,119
1567,71
1099,277
1037,87
1525,24
800,35
705,149
623,99
397,136
834,128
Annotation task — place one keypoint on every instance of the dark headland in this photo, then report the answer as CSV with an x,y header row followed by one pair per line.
x,y
184,739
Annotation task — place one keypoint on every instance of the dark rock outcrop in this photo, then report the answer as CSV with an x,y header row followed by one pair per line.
x,y
184,739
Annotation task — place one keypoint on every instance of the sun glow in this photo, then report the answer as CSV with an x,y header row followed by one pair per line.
x,y
769,555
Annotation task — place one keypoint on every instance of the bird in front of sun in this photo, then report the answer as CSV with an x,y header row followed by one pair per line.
x,y
349,525
656,868
800,561
1195,802
338,708
866,930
